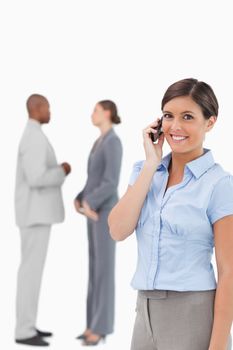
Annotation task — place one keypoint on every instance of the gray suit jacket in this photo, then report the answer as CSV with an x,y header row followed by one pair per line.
x,y
104,164
38,198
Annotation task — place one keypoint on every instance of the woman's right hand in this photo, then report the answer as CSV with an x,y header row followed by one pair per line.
x,y
153,151
78,206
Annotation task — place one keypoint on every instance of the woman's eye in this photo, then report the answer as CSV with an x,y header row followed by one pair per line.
x,y
166,115
188,116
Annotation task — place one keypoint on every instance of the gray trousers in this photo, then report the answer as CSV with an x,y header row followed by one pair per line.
x,y
170,320
34,245
101,284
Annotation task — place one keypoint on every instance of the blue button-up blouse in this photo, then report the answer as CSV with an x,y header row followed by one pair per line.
x,y
175,230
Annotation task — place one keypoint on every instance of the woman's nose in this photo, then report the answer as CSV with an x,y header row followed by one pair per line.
x,y
175,125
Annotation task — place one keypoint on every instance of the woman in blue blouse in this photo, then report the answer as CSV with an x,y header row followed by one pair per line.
x,y
181,207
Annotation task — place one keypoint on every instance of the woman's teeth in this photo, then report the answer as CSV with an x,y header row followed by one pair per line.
x,y
179,138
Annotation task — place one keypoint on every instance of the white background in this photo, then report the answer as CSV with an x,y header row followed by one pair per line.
x,y
76,53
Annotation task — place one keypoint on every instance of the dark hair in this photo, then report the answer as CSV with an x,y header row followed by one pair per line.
x,y
111,106
200,92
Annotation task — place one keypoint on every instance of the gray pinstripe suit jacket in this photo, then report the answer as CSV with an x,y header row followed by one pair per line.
x,y
104,164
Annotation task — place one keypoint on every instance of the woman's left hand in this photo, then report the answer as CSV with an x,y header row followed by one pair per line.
x,y
88,212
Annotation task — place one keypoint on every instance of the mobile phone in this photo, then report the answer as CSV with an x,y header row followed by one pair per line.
x,y
154,137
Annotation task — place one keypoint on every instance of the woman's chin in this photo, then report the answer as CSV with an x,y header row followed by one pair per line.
x,y
179,148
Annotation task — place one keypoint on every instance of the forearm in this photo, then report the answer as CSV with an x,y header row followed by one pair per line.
x,y
53,177
99,195
124,216
223,313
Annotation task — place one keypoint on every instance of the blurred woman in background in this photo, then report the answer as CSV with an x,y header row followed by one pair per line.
x,y
95,201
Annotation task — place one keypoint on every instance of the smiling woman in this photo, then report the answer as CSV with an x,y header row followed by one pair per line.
x,y
190,109
181,206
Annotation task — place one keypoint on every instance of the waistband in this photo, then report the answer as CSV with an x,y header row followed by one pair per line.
x,y
164,294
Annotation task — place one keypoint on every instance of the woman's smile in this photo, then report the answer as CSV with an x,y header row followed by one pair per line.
x,y
178,138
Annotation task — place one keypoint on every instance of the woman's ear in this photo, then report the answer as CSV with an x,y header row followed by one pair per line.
x,y
210,123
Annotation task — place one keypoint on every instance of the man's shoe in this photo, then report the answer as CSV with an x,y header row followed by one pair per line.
x,y
36,341
44,334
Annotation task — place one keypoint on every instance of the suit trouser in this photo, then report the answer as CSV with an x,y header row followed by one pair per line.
x,y
101,284
34,245
170,320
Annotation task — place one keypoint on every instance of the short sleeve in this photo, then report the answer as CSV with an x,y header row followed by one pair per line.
x,y
221,201
135,172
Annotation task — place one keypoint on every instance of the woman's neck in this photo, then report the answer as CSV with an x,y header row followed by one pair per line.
x,y
104,128
179,160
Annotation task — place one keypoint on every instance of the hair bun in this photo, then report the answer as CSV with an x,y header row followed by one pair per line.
x,y
116,119
111,106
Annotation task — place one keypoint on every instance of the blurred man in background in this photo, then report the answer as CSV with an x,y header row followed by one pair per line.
x,y
38,205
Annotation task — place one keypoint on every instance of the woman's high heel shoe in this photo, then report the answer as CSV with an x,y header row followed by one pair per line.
x,y
84,335
81,336
87,342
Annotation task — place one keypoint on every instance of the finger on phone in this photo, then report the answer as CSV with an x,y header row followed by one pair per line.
x,y
151,130
161,139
